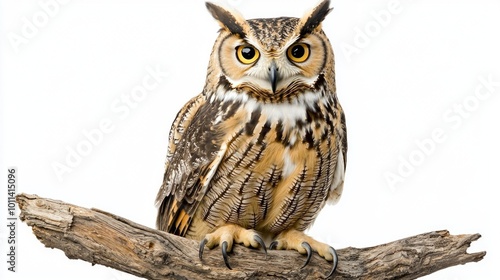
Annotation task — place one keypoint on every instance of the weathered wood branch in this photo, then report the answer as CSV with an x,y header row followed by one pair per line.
x,y
102,238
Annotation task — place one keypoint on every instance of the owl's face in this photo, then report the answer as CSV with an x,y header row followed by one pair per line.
x,y
272,57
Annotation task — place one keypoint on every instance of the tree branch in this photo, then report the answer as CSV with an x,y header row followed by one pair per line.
x,y
102,238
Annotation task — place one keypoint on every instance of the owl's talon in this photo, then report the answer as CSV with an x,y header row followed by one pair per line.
x,y
202,247
335,261
224,254
273,245
306,246
261,243
300,242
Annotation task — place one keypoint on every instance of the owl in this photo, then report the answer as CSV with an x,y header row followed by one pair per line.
x,y
255,157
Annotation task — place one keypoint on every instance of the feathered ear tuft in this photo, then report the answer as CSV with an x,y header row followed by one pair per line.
x,y
232,21
313,18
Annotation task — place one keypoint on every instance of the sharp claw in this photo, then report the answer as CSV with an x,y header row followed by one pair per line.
x,y
202,247
224,254
335,261
306,246
261,243
273,245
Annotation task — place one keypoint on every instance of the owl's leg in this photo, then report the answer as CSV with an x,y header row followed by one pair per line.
x,y
299,241
226,235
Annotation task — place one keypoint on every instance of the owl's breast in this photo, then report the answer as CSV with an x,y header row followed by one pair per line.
x,y
278,166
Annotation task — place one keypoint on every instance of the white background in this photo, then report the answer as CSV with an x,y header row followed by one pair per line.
x,y
403,81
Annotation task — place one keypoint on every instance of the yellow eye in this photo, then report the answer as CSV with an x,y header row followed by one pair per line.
x,y
298,52
247,54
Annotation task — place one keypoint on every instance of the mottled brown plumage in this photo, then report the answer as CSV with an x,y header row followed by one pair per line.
x,y
261,150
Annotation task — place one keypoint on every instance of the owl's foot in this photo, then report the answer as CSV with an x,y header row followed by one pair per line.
x,y
226,235
299,241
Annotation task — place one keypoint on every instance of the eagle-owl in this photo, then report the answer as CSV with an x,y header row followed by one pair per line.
x,y
256,155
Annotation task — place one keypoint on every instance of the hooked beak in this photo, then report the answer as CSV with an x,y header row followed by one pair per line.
x,y
273,75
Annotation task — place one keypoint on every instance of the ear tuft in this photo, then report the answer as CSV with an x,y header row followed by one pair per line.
x,y
313,19
231,21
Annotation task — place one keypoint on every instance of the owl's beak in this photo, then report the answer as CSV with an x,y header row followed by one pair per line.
x,y
273,75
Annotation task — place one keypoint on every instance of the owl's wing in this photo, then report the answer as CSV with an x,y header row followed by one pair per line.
x,y
339,174
194,153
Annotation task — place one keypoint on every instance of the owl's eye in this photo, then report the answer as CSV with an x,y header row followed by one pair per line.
x,y
298,52
247,54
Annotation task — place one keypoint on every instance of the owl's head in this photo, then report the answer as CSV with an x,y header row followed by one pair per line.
x,y
271,58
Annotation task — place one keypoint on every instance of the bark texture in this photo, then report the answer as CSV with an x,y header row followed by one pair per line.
x,y
102,238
